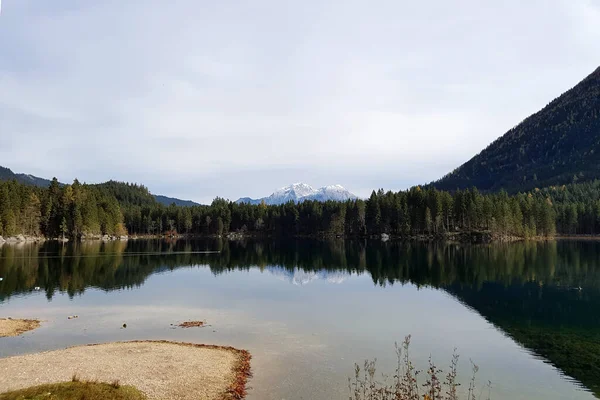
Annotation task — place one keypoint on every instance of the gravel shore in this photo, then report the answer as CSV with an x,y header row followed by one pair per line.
x,y
15,327
162,370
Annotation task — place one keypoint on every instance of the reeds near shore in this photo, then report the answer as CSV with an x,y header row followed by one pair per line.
x,y
405,385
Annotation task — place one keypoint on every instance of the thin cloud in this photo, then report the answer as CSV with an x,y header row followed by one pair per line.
x,y
199,99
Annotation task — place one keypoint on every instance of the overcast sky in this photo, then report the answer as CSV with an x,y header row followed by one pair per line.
x,y
237,98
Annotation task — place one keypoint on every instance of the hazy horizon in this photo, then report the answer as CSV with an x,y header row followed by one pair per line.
x,y
197,100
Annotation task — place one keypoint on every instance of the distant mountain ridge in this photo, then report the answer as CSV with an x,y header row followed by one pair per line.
x,y
299,192
167,201
6,174
558,145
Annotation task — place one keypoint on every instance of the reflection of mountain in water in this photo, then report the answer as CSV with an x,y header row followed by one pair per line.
x,y
300,277
530,291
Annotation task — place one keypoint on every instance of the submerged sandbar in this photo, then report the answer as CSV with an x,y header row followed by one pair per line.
x,y
15,327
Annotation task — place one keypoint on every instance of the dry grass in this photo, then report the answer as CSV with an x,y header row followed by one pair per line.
x,y
15,327
159,369
76,391
405,385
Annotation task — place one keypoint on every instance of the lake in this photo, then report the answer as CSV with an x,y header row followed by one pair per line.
x,y
528,314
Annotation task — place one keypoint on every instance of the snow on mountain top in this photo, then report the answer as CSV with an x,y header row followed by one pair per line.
x,y
299,192
335,188
299,189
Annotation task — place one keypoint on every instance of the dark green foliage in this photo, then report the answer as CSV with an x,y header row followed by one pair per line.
x,y
558,145
58,211
141,195
116,208
405,213
128,194
577,207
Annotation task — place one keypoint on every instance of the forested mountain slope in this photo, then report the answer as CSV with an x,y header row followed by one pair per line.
x,y
6,175
128,194
558,145
167,201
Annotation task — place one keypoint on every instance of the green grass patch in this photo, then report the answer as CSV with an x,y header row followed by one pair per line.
x,y
76,391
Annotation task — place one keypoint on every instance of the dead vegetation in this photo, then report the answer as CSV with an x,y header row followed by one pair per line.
x,y
192,324
405,385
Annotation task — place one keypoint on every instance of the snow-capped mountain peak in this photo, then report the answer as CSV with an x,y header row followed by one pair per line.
x,y
299,192
296,190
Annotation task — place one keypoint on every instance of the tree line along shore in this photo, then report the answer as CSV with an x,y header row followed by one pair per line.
x,y
114,210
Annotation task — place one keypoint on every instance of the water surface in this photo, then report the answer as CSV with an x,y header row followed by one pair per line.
x,y
525,313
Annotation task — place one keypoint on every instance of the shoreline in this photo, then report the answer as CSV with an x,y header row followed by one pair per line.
x,y
577,237
473,237
159,368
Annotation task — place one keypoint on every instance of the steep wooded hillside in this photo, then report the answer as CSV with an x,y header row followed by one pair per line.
x,y
558,145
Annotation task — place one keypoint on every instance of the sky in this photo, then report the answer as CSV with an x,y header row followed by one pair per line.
x,y
197,99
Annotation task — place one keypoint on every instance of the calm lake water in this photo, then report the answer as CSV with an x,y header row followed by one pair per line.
x,y
528,314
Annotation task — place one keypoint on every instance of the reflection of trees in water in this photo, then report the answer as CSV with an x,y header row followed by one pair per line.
x,y
113,265
543,294
72,268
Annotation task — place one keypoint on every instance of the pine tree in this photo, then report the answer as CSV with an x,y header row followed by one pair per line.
x,y
32,215
373,214
428,220
64,228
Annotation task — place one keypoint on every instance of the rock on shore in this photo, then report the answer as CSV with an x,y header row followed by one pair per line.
x,y
21,239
